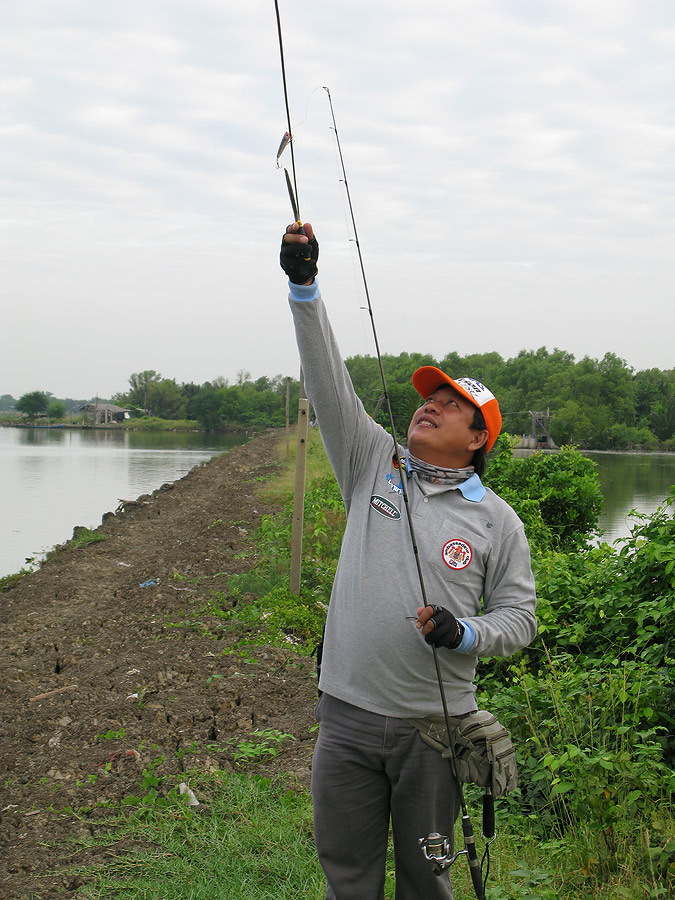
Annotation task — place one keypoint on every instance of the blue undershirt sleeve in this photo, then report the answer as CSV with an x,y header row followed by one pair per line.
x,y
302,293
468,638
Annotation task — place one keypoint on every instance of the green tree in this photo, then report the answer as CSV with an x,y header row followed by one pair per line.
x,y
165,399
140,384
404,400
207,408
33,404
56,409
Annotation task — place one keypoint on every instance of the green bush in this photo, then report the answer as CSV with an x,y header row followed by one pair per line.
x,y
563,484
615,602
590,754
279,618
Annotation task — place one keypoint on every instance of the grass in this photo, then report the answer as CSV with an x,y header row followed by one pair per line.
x,y
154,423
8,581
86,536
279,489
249,838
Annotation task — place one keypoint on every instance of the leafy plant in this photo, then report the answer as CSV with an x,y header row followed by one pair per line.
x,y
526,884
614,602
591,762
562,486
83,537
112,735
280,618
261,745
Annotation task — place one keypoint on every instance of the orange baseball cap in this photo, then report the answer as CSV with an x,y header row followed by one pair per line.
x,y
428,379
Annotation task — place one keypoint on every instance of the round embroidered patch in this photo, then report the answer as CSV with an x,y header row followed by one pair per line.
x,y
457,554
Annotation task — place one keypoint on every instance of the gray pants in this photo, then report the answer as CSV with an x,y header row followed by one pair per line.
x,y
368,768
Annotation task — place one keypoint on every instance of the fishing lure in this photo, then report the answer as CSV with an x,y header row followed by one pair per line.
x,y
285,141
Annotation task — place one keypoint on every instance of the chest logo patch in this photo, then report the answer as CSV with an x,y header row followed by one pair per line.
x,y
384,507
457,554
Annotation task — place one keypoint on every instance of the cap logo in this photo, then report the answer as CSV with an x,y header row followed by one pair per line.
x,y
457,554
477,389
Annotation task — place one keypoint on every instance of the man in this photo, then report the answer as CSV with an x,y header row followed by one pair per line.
x,y
370,763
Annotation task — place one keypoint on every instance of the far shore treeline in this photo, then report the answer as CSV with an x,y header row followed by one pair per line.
x,y
594,404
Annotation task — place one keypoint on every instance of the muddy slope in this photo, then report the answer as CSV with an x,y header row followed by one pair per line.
x,y
109,660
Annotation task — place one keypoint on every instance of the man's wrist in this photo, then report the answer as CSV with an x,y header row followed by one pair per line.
x,y
468,638
303,293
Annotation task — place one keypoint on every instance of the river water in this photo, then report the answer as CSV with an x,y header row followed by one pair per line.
x,y
54,479
639,481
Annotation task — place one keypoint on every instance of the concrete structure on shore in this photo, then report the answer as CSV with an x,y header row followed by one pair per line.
x,y
539,438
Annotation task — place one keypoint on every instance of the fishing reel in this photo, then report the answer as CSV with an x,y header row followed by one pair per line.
x,y
438,850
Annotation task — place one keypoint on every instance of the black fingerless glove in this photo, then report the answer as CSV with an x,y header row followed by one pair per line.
x,y
299,260
447,632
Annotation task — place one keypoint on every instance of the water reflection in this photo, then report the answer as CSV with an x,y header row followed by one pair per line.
x,y
639,481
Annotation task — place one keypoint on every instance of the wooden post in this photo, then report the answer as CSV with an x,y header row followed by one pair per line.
x,y
288,425
299,490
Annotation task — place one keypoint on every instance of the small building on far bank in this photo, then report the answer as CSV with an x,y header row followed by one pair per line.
x,y
539,439
536,442
104,413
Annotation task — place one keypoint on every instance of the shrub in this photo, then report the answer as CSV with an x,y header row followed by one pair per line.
x,y
590,756
564,485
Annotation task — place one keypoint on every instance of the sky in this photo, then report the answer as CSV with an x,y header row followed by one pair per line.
x,y
510,164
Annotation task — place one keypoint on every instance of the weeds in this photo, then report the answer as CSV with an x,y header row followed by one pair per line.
x,y
8,581
261,745
111,735
83,537
591,764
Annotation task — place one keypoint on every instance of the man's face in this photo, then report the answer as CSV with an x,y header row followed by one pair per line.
x,y
440,431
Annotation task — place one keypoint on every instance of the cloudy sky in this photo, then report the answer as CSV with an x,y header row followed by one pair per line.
x,y
511,166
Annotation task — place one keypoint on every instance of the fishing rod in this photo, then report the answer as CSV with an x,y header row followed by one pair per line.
x,y
436,847
288,137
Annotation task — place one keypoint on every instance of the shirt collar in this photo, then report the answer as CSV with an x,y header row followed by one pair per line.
x,y
472,489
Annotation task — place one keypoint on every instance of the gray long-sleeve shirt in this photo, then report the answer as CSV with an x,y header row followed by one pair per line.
x,y
474,556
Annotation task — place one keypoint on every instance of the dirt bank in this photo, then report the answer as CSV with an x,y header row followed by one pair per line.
x,y
108,662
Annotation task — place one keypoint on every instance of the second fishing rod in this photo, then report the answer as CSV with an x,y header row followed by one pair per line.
x,y
437,848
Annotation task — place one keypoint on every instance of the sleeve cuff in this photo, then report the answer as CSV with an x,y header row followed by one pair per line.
x,y
303,293
468,638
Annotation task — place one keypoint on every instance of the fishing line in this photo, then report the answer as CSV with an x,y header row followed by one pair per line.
x,y
383,379
309,100
467,829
